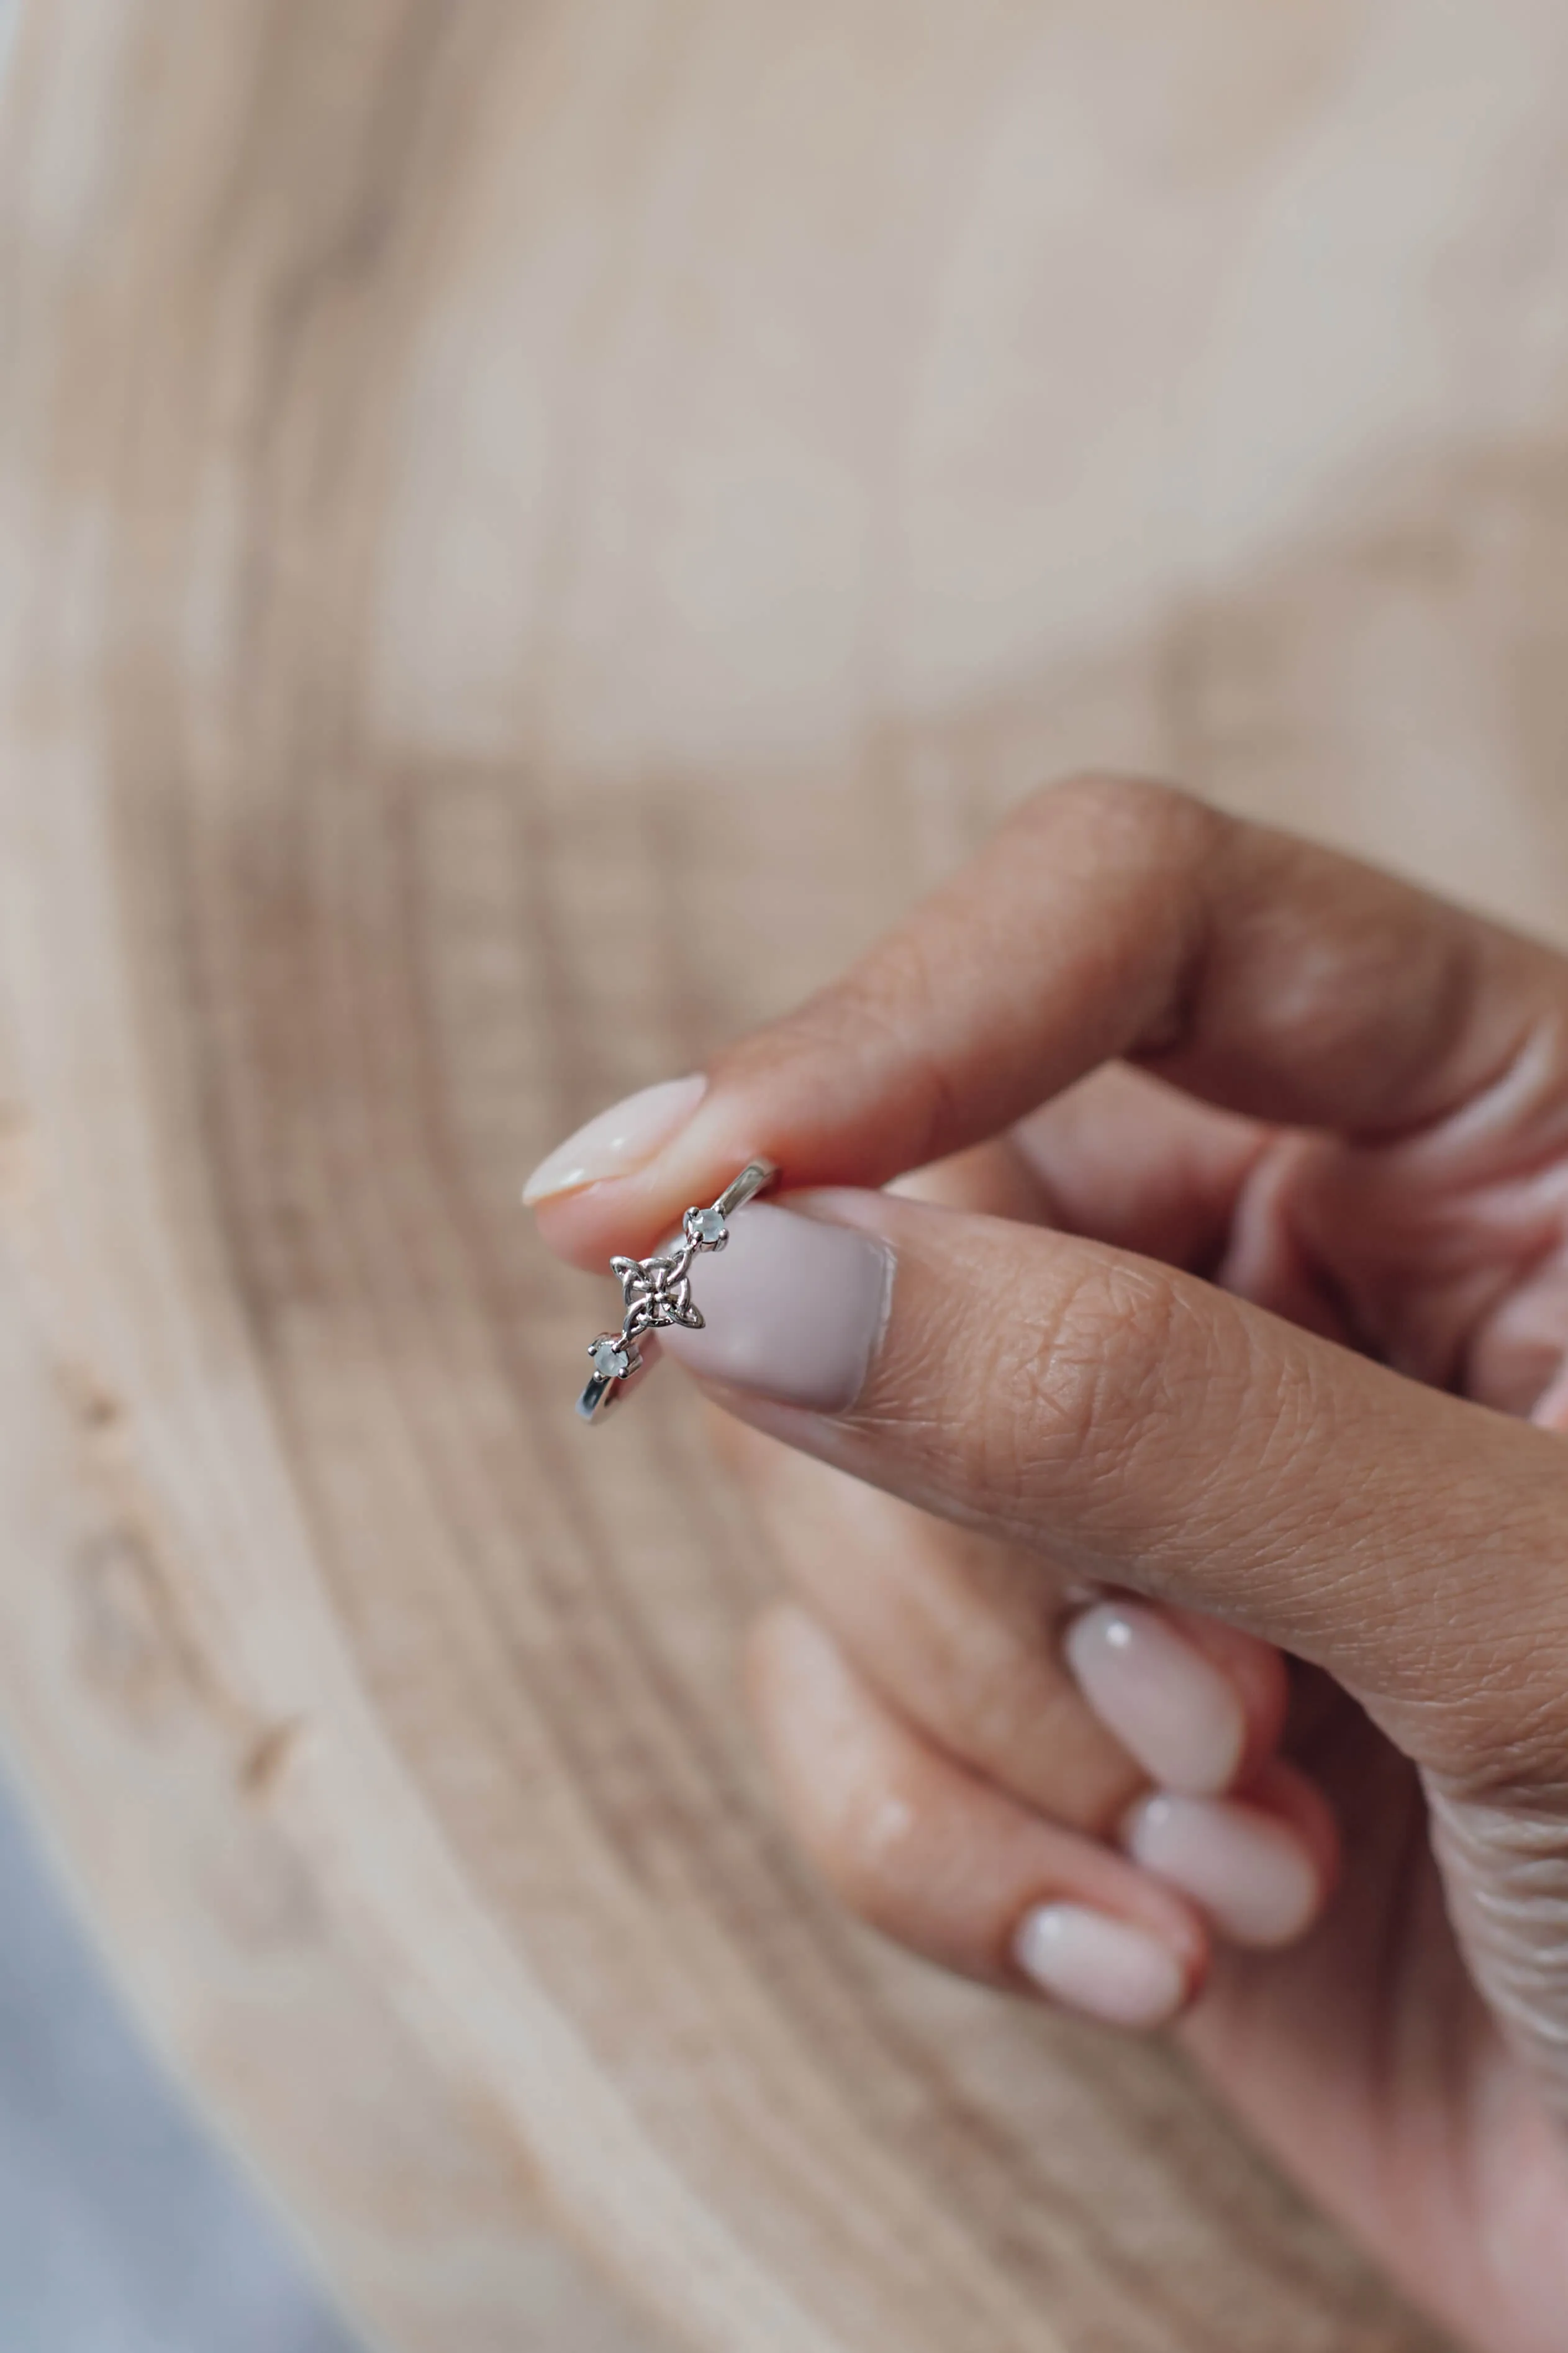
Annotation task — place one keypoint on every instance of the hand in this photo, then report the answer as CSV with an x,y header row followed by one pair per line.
x,y
1229,1352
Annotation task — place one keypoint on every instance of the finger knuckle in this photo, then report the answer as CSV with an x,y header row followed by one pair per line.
x,y
1140,814
865,1846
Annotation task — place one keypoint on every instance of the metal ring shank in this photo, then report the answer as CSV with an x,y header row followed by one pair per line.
x,y
754,1178
598,1395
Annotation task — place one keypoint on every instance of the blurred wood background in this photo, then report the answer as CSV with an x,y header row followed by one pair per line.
x,y
526,531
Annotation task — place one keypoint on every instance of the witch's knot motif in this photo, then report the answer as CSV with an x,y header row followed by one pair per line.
x,y
656,1291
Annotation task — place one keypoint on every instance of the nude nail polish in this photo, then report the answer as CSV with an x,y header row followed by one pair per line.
x,y
1169,1706
1248,1870
794,1308
618,1141
1107,1969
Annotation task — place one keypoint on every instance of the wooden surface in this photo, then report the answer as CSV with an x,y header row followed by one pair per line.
x,y
525,533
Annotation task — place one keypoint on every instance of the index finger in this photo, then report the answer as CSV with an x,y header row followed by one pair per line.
x,y
1108,919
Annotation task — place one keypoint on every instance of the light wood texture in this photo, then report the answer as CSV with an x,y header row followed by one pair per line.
x,y
525,533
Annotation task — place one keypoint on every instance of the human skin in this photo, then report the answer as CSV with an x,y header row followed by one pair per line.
x,y
1230,1328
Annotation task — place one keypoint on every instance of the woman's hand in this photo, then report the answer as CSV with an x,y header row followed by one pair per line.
x,y
1230,1350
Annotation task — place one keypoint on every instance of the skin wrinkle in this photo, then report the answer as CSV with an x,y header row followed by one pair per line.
x,y
1179,1358
1518,1938
1446,1002
1123,1367
1068,1386
1494,1109
1478,1207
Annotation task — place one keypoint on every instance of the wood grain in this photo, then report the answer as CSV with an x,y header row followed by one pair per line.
x,y
525,533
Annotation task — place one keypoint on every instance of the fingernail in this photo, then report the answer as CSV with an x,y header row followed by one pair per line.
x,y
1105,1968
619,1139
1167,1704
1249,1871
794,1308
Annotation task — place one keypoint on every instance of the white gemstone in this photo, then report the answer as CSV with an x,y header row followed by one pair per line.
x,y
710,1226
610,1359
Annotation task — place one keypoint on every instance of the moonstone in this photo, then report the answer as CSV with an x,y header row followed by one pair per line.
x,y
710,1226
610,1359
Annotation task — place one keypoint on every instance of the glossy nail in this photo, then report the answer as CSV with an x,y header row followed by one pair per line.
x,y
1167,1704
793,1309
1248,1870
619,1140
1106,1968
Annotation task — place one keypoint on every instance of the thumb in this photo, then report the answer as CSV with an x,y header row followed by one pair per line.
x,y
1144,1429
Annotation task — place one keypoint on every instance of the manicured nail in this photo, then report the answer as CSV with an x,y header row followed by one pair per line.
x,y
1247,1869
1167,1704
794,1308
619,1140
1105,1968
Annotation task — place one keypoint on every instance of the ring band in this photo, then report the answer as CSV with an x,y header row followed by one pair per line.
x,y
657,1290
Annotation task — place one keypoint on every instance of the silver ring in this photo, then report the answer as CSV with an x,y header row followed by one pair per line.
x,y
657,1290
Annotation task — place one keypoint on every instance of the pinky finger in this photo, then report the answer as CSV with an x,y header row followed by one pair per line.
x,y
949,1865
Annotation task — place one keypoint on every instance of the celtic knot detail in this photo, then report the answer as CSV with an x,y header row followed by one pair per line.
x,y
656,1291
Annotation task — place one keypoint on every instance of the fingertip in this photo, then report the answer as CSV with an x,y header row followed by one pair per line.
x,y
1259,1869
1113,1970
1258,1674
583,1227
1172,1710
